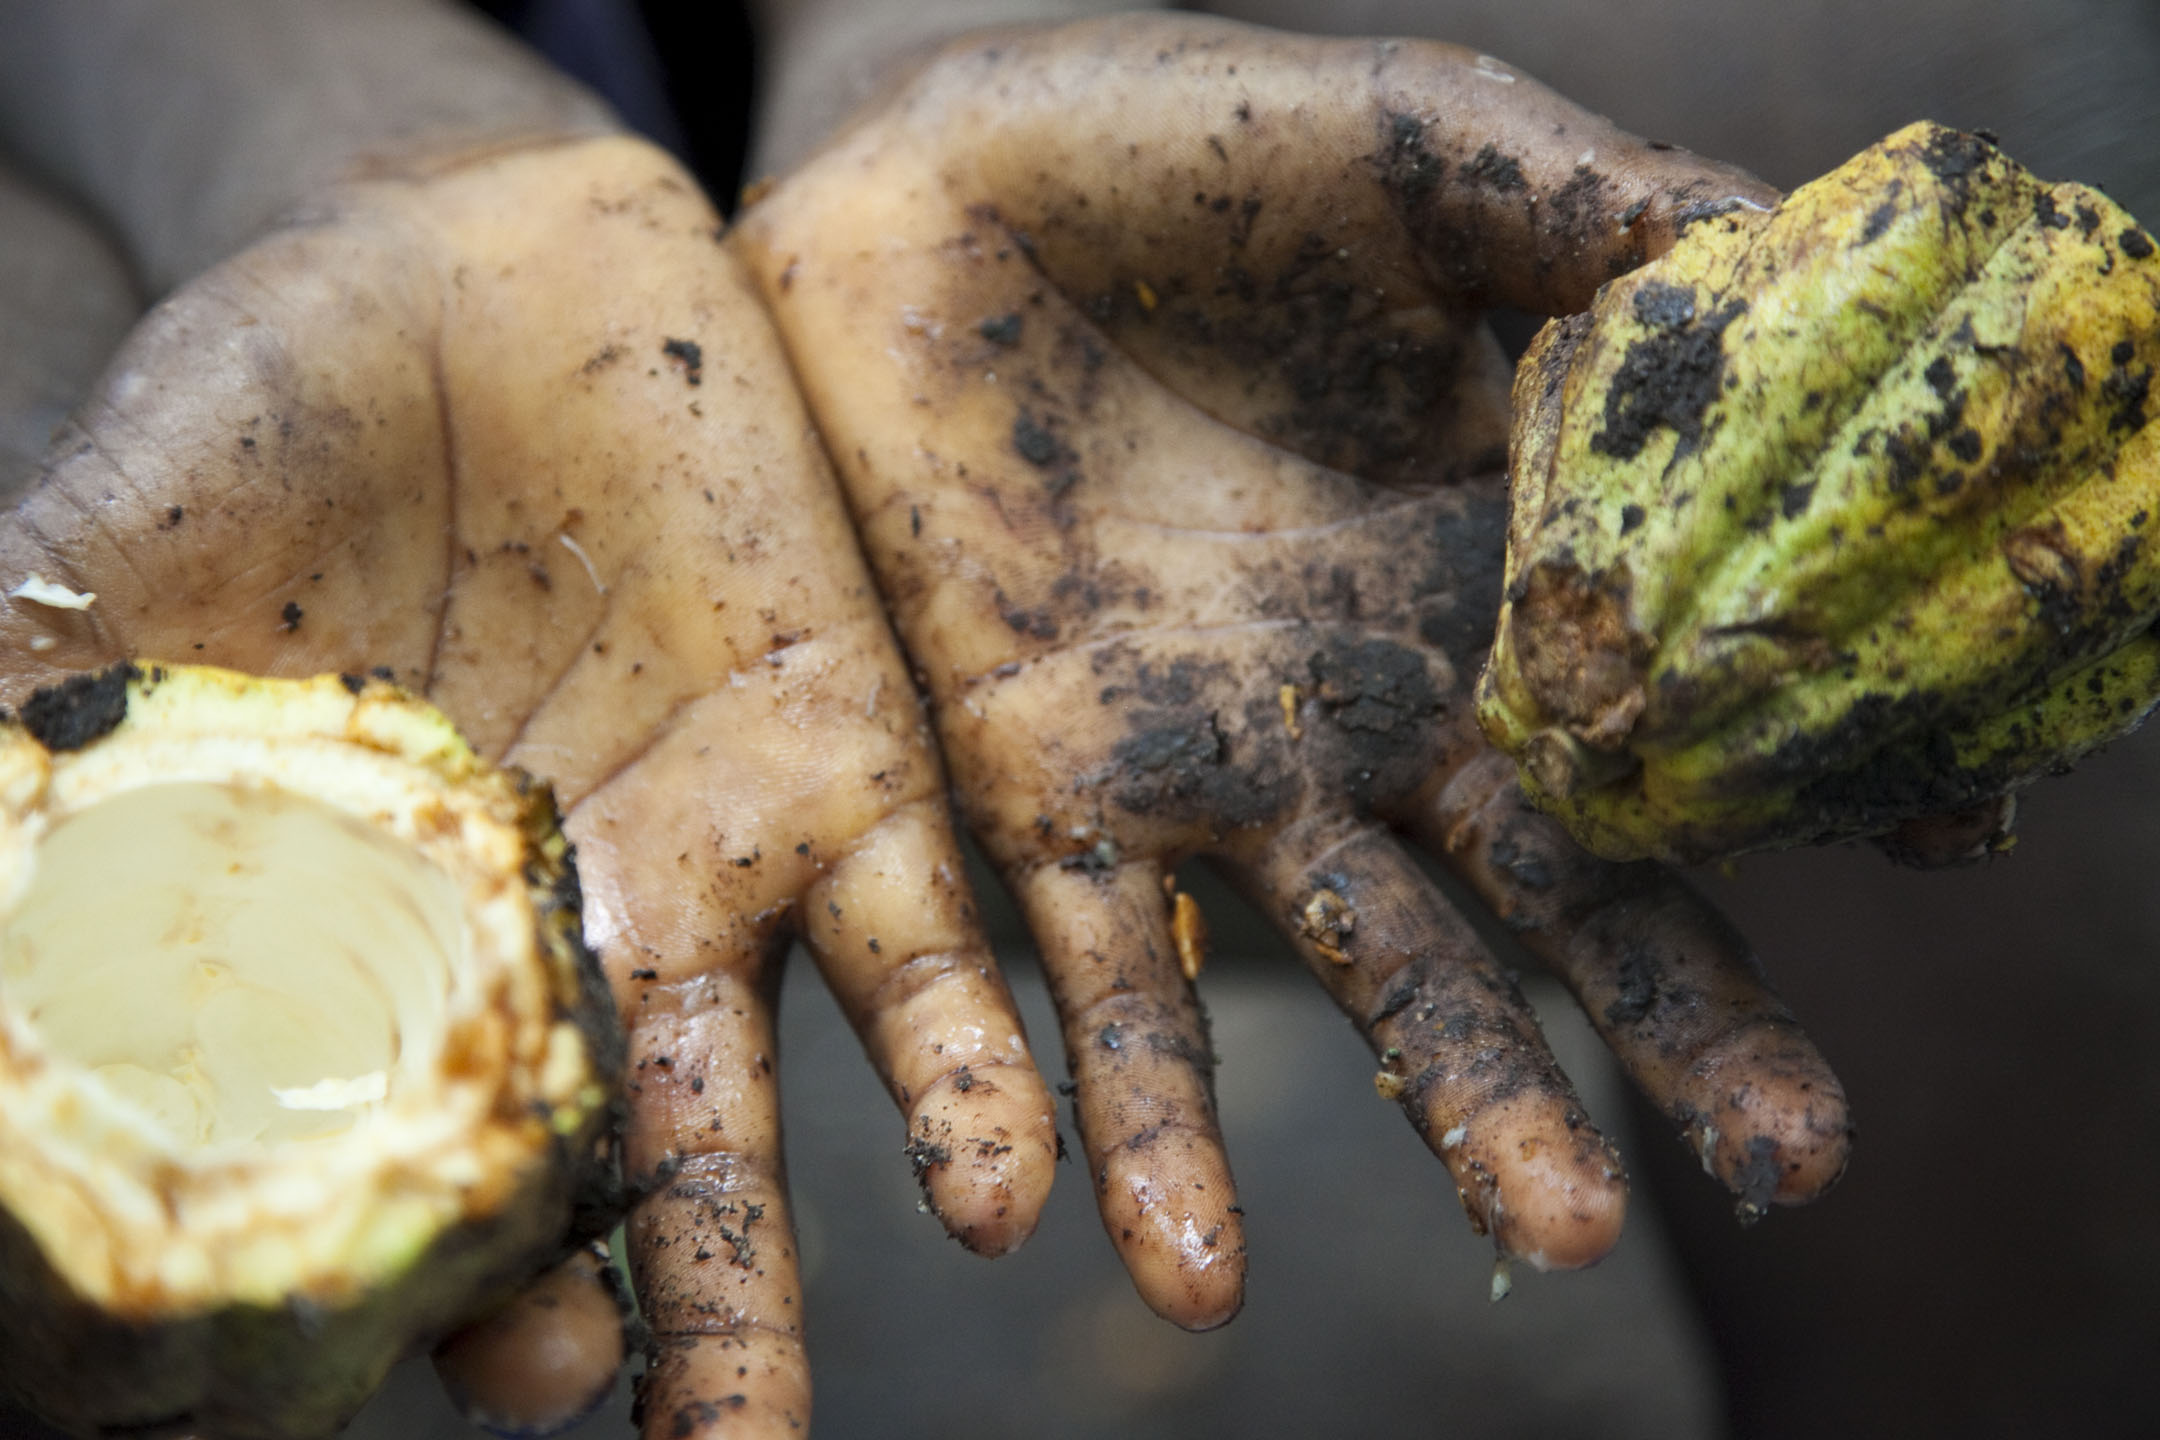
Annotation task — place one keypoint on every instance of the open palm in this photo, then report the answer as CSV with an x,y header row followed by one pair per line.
x,y
1151,356
510,427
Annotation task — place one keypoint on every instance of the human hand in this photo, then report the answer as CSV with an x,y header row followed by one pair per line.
x,y
1151,356
502,418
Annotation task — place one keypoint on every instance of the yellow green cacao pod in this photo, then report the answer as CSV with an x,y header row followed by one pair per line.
x,y
302,1059
1837,515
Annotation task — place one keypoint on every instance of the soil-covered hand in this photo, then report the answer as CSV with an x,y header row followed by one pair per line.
x,y
510,426
1152,356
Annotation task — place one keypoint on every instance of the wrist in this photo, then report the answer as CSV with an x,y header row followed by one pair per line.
x,y
191,128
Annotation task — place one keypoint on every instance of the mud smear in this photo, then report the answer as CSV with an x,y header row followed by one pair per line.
x,y
1668,378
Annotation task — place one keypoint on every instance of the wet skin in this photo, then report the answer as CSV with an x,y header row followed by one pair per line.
x,y
1150,355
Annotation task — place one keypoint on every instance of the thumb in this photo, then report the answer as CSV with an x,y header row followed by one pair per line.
x,y
1514,195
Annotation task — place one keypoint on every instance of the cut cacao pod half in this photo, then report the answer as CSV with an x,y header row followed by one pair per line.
x,y
302,1058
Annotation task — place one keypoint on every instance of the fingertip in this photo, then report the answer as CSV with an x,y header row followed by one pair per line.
x,y
734,1383
1179,1231
1566,1228
1549,1187
1782,1133
985,1145
543,1361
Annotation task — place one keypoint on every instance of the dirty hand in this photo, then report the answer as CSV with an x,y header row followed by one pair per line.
x,y
1151,354
497,415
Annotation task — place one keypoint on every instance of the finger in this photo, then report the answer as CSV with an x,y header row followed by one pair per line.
x,y
545,1359
65,301
1137,1044
1459,1044
1674,991
691,881
895,930
696,860
711,1238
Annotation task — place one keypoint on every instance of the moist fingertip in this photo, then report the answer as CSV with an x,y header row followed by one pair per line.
x,y
1181,1237
986,1167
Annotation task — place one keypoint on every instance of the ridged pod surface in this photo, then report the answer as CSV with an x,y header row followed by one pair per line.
x,y
302,1058
1839,514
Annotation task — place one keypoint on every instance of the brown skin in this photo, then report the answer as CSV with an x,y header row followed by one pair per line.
x,y
2013,999
397,435
542,1359
1151,356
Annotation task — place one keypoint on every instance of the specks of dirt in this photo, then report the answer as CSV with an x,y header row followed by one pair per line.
x,y
1040,623
174,514
80,709
688,354
1527,866
1641,974
1695,212
1168,761
2135,243
1035,442
1491,168
922,1153
1376,687
1183,757
1577,207
1459,594
1381,701
1668,377
1414,171
1631,518
353,684
1952,157
1328,921
1754,1181
1036,445
690,1418
1665,307
1002,330
1793,500
290,617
